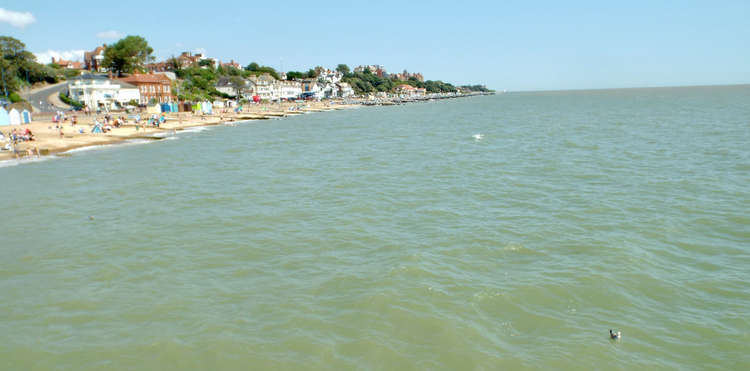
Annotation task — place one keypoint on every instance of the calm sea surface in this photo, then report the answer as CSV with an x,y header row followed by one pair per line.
x,y
393,238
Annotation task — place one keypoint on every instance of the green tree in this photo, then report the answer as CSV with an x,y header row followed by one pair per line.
x,y
174,64
343,68
19,66
252,66
127,54
239,85
206,63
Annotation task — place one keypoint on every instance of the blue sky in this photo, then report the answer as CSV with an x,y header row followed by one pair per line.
x,y
508,45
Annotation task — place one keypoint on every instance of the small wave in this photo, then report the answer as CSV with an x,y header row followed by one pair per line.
x,y
195,129
24,160
105,146
477,137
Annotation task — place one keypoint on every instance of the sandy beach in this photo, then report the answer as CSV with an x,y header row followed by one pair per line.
x,y
48,141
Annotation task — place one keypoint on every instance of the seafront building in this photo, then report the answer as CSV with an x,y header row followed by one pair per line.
x,y
288,90
156,88
98,91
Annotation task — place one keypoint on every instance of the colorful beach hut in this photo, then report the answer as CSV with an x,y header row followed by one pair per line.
x,y
26,117
4,118
15,117
207,107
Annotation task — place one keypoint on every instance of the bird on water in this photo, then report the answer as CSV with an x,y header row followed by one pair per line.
x,y
614,335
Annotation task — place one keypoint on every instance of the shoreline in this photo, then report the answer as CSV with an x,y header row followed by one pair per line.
x,y
48,142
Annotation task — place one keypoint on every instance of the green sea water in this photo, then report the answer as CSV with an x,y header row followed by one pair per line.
x,y
501,232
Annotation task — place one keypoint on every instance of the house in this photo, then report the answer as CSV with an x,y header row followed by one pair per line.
x,y
128,93
187,59
329,90
98,91
169,74
158,67
311,88
232,63
156,87
406,76
407,90
263,86
345,90
226,86
93,60
375,69
288,90
67,64
330,76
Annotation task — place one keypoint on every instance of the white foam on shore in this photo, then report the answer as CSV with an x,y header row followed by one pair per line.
x,y
194,129
105,146
24,160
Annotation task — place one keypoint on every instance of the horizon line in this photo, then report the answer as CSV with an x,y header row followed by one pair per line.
x,y
626,88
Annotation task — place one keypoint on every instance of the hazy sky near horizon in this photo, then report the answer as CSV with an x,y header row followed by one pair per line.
x,y
508,45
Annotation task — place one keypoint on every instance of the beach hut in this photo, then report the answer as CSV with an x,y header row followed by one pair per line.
x,y
4,118
207,107
153,109
15,117
26,117
167,107
175,107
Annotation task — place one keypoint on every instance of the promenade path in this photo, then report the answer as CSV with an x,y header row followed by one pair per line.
x,y
45,99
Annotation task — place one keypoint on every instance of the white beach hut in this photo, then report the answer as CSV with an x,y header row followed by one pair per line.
x,y
15,117
4,118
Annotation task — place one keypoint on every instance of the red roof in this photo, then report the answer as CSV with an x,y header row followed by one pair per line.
x,y
138,78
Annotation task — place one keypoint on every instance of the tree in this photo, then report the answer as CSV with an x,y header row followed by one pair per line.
x,y
174,63
127,54
206,63
239,85
19,66
252,67
344,69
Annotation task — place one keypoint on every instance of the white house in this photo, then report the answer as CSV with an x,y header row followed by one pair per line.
x,y
330,76
263,86
345,90
127,93
311,88
287,90
99,91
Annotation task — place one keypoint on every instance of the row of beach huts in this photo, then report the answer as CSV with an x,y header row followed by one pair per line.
x,y
14,117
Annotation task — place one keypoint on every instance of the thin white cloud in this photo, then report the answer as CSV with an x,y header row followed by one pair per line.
x,y
16,19
112,34
69,55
